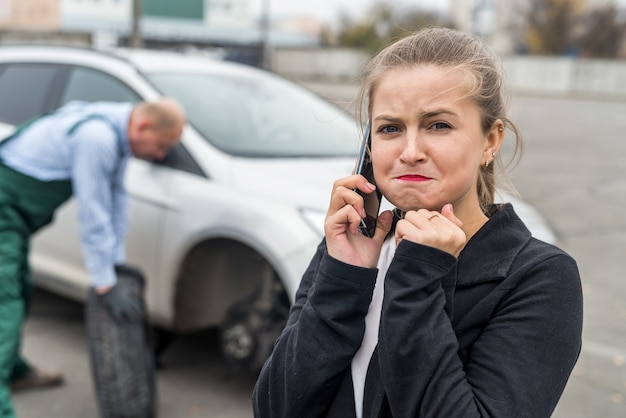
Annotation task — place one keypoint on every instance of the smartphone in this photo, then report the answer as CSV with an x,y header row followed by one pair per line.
x,y
372,200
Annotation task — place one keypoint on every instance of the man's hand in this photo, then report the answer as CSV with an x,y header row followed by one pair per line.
x,y
121,305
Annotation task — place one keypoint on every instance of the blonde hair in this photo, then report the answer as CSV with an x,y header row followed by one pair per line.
x,y
452,50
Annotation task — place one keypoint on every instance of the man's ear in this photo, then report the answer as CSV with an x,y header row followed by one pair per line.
x,y
144,123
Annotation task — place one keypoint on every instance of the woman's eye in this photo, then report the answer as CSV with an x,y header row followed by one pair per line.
x,y
389,129
440,126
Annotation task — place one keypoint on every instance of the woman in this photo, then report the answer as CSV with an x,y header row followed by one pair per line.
x,y
451,309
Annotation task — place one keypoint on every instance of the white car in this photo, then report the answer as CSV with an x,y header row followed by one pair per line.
x,y
225,226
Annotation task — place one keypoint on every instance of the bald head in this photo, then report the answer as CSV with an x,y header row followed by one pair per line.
x,y
167,113
155,127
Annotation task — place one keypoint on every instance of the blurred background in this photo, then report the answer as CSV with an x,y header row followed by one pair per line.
x,y
564,60
336,36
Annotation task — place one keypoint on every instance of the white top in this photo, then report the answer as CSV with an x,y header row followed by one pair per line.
x,y
362,358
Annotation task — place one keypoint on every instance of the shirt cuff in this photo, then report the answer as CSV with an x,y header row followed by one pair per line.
x,y
104,278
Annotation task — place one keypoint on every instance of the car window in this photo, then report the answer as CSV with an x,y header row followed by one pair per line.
x,y
25,90
179,158
92,85
260,116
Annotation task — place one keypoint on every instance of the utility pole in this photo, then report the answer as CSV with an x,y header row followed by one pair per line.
x,y
135,37
265,28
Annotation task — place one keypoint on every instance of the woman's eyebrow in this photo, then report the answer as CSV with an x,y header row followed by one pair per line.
x,y
387,118
436,112
422,115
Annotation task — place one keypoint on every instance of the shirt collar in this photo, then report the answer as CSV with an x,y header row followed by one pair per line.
x,y
497,243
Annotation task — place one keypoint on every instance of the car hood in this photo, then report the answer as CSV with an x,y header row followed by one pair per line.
x,y
302,182
307,183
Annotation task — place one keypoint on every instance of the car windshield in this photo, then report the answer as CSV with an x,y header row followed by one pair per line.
x,y
260,116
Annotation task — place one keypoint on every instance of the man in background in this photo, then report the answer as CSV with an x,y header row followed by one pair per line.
x,y
82,149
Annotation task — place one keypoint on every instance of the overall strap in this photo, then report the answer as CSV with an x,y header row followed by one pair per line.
x,y
22,127
93,116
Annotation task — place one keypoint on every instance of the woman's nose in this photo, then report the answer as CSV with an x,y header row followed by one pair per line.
x,y
413,148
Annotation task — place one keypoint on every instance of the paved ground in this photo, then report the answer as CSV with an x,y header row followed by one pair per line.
x,y
573,171
193,383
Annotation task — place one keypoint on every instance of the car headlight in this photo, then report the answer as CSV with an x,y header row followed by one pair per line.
x,y
315,219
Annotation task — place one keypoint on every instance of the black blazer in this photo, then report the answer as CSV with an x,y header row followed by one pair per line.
x,y
493,333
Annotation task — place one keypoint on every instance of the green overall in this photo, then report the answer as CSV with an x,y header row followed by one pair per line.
x,y
26,205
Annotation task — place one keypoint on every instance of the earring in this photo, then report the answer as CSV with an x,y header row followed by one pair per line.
x,y
501,129
493,157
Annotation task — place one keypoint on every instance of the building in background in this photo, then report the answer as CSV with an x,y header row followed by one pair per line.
x,y
227,26
27,14
36,21
490,19
236,29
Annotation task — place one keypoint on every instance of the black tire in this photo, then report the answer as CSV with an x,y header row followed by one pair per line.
x,y
248,335
122,356
161,340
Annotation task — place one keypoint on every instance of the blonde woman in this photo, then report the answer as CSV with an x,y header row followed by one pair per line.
x,y
451,309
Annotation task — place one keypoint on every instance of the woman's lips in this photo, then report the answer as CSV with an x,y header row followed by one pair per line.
x,y
413,177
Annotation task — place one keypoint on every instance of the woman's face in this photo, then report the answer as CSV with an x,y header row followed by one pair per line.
x,y
427,141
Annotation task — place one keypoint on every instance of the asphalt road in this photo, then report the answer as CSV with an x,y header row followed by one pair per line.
x,y
573,170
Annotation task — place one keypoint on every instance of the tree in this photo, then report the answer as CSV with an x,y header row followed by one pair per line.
x,y
551,24
602,34
384,23
412,20
361,35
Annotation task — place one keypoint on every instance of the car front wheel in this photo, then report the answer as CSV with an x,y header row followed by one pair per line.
x,y
252,326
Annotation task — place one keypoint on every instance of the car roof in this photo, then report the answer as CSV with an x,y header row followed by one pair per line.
x,y
141,60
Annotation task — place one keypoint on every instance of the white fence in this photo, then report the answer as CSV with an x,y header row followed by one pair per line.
x,y
329,64
567,76
524,74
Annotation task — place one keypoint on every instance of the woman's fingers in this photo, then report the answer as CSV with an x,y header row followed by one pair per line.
x,y
448,212
383,225
337,222
440,230
344,194
344,241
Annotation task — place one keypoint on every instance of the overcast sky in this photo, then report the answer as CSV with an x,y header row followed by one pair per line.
x,y
329,10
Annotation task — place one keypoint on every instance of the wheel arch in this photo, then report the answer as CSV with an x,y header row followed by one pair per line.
x,y
214,275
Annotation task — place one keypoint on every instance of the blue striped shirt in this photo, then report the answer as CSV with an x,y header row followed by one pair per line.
x,y
94,158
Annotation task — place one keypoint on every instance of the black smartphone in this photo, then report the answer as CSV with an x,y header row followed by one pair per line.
x,y
372,200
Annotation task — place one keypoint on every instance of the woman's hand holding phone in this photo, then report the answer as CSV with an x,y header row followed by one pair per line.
x,y
344,240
